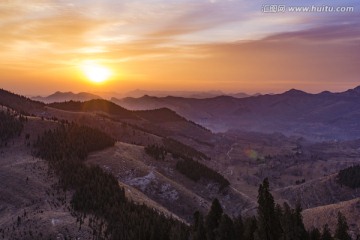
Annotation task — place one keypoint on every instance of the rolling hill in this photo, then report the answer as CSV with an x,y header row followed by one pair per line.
x,y
98,105
162,122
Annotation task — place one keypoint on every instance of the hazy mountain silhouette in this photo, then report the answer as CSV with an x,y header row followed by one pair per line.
x,y
67,96
188,94
323,115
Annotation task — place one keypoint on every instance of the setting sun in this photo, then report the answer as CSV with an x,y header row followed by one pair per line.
x,y
95,72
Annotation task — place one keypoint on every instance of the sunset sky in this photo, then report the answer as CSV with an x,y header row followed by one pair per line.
x,y
198,45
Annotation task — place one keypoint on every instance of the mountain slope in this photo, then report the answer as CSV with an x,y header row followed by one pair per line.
x,y
19,103
162,122
31,206
98,105
318,216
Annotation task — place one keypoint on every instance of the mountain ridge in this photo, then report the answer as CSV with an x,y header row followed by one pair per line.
x,y
66,96
293,112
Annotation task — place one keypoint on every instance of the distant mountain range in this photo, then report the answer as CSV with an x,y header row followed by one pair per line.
x,y
322,116
86,96
188,94
318,116
67,96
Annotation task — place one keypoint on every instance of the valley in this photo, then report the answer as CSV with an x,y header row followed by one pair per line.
x,y
299,169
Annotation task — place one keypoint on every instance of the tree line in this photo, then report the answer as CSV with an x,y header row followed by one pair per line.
x,y
156,152
350,177
176,148
10,126
179,149
196,170
273,222
185,164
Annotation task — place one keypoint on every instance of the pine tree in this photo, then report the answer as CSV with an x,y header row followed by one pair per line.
x,y
342,228
292,223
226,229
250,226
239,228
198,227
326,235
287,223
213,219
300,231
269,227
314,234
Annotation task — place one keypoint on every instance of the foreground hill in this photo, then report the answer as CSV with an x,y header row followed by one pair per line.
x,y
66,96
318,192
162,183
318,215
318,116
31,207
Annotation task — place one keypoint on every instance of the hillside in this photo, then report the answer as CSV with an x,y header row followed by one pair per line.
x,y
163,122
31,208
319,192
20,103
318,216
163,184
160,115
94,106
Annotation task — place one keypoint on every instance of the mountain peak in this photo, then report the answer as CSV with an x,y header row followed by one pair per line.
x,y
325,93
295,92
357,89
61,93
355,92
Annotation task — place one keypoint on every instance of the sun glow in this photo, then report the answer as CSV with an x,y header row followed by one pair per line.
x,y
96,73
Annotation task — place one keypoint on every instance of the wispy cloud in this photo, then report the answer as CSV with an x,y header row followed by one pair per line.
x,y
192,42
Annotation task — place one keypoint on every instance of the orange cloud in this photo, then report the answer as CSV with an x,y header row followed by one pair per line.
x,y
43,43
